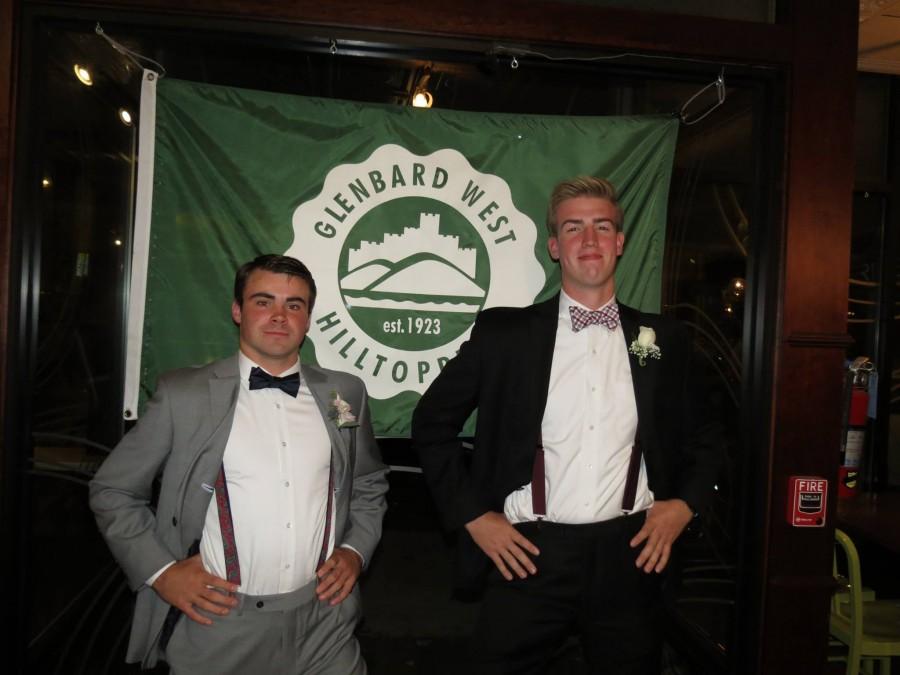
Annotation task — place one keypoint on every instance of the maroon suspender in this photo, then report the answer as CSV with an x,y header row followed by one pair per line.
x,y
226,525
538,482
634,468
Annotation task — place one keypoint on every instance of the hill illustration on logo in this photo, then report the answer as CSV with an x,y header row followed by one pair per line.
x,y
406,250
419,288
403,266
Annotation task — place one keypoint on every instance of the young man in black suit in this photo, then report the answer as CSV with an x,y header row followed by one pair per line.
x,y
590,457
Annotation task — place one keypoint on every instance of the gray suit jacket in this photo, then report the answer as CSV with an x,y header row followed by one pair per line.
x,y
182,436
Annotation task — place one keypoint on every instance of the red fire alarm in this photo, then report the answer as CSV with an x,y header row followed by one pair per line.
x,y
807,496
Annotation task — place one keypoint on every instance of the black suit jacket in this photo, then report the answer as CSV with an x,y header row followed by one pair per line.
x,y
503,371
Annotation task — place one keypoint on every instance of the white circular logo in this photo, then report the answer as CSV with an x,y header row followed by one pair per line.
x,y
405,250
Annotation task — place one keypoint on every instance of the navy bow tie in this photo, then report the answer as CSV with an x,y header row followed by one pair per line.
x,y
260,379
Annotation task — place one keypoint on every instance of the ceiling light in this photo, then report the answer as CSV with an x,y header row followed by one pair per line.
x,y
125,117
83,75
45,182
422,99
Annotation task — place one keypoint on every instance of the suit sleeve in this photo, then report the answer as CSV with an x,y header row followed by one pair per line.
x,y
437,422
367,502
122,489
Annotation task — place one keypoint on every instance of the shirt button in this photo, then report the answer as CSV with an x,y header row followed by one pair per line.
x,y
591,427
288,566
260,604
278,405
287,483
590,466
288,526
283,444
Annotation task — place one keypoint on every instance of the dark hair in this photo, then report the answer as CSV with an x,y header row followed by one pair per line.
x,y
280,264
582,186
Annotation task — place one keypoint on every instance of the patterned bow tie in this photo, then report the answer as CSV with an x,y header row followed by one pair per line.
x,y
607,316
260,379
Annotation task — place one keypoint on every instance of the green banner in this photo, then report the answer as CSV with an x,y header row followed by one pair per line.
x,y
410,220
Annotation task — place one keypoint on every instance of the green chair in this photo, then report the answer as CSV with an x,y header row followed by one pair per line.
x,y
870,629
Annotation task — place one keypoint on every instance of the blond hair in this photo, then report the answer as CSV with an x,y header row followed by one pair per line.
x,y
582,186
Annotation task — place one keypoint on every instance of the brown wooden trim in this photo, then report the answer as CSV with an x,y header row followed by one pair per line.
x,y
570,25
8,27
813,310
823,340
9,495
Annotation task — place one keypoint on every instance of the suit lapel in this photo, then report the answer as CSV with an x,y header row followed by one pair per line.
x,y
544,325
223,391
321,391
643,378
206,455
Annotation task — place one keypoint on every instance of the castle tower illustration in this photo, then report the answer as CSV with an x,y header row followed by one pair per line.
x,y
413,240
417,268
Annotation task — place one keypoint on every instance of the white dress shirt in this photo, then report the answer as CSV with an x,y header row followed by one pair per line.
x,y
277,463
588,428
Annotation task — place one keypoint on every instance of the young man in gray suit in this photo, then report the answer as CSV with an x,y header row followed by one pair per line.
x,y
271,498
567,511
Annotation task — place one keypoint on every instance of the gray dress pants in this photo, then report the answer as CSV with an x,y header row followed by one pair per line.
x,y
291,634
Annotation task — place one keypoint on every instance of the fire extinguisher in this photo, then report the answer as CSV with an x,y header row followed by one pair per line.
x,y
856,403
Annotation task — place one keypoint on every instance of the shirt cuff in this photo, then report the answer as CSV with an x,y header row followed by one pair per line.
x,y
361,556
152,580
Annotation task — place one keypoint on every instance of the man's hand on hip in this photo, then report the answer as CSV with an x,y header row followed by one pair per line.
x,y
338,575
666,520
503,544
187,586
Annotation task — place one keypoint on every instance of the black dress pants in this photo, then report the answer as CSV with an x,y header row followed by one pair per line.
x,y
586,583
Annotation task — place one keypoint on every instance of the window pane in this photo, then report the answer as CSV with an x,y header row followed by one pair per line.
x,y
871,127
865,273
80,191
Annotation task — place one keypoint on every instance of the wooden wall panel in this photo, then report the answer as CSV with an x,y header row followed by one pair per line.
x,y
813,326
8,24
536,21
8,496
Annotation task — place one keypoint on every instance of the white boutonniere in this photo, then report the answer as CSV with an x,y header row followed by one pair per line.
x,y
644,346
341,412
